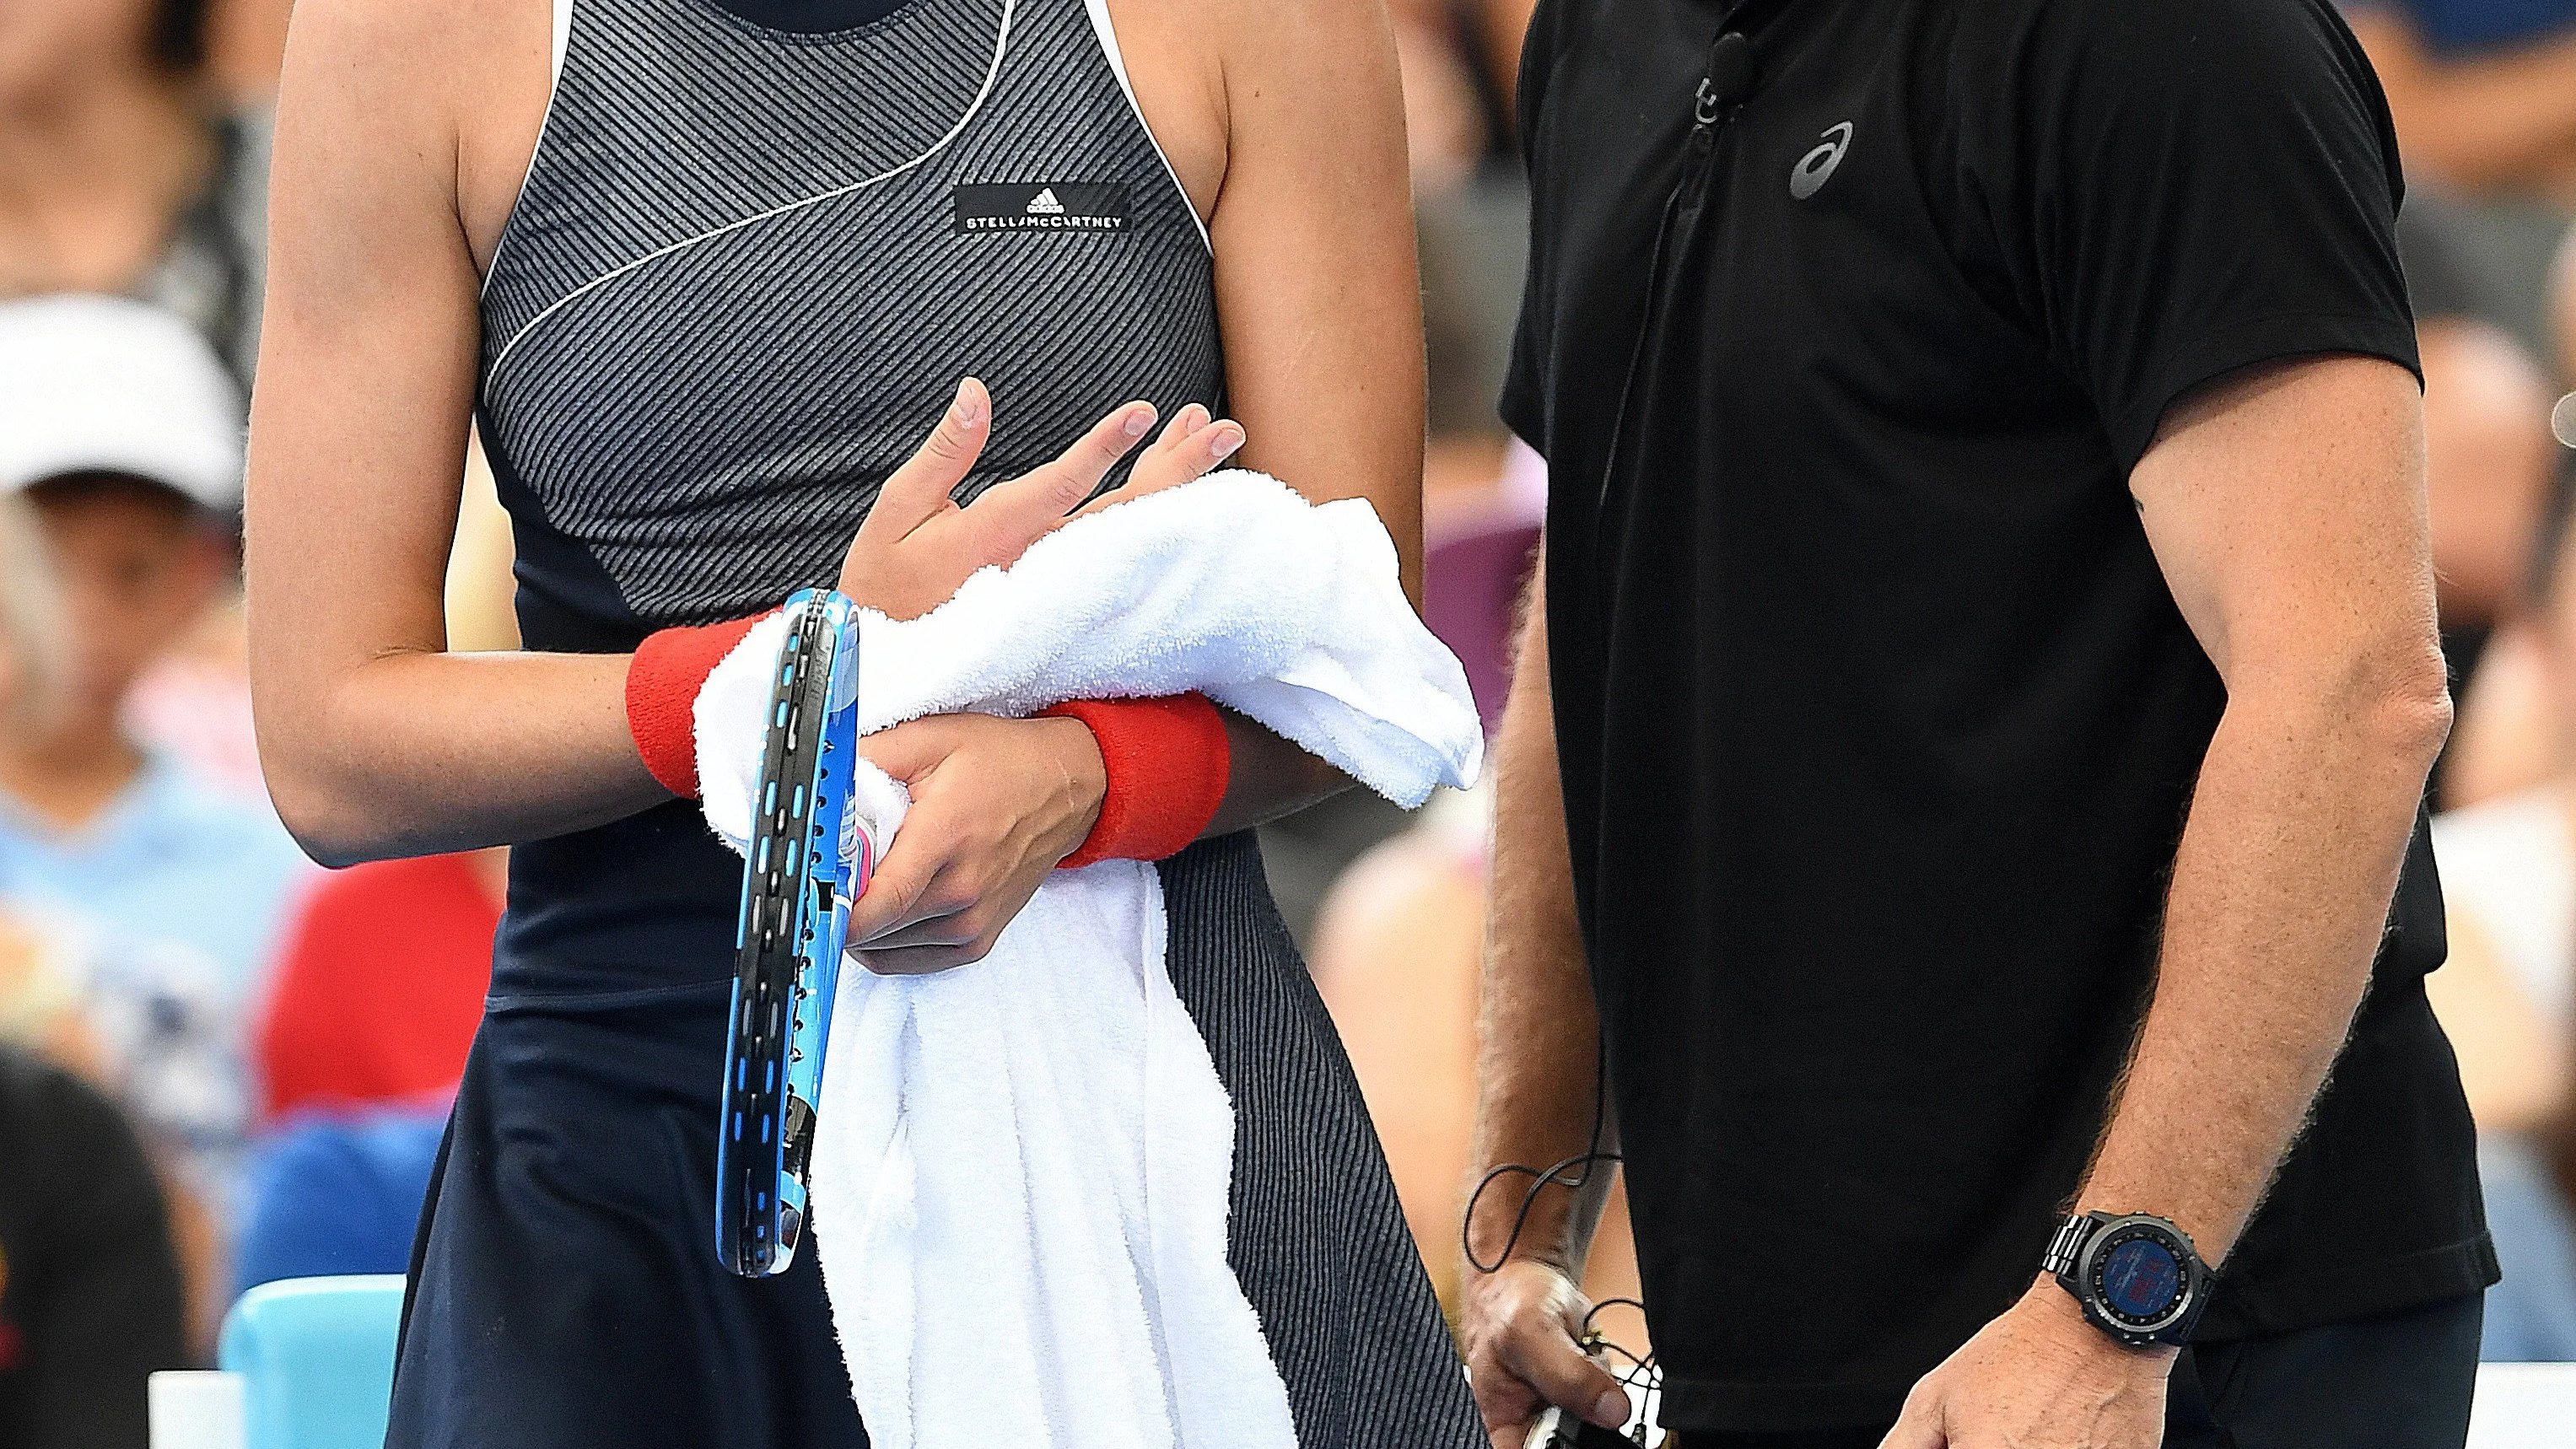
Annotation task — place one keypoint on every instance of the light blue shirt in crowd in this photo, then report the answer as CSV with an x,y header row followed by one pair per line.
x,y
172,900
2531,1315
173,870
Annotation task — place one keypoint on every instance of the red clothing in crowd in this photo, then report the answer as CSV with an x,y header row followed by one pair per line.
x,y
381,986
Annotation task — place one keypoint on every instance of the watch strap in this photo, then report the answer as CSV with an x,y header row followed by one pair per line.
x,y
2066,1246
2177,1334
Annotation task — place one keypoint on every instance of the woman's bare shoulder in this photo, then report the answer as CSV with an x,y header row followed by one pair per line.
x,y
1172,62
458,87
1203,69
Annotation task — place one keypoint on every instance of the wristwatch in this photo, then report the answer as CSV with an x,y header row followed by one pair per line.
x,y
2136,1275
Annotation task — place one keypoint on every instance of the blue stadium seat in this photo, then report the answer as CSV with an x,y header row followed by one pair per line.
x,y
317,1359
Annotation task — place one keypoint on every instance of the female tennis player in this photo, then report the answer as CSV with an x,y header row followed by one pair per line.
x,y
703,273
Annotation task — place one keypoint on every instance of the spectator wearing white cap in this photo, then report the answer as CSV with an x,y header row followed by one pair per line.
x,y
124,168
122,432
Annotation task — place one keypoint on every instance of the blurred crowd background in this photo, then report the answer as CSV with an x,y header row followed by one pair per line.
x,y
220,1065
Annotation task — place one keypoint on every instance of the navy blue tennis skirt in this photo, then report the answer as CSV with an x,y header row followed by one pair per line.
x,y
565,1289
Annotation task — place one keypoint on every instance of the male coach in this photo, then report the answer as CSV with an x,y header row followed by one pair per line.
x,y
1991,647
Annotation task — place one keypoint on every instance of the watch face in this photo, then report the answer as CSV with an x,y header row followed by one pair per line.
x,y
2138,1278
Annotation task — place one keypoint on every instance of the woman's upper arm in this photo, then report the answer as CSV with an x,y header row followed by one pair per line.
x,y
1318,294
367,355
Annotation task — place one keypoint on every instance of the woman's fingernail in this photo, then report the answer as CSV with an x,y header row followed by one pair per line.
x,y
970,403
1138,421
1223,439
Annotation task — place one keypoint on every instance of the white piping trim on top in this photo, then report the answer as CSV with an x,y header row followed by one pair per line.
x,y
1108,34
992,74
562,36
561,43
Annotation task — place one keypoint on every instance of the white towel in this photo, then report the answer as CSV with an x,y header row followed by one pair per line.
x,y
1020,1176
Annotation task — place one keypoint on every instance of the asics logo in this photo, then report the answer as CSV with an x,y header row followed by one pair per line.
x,y
1817,167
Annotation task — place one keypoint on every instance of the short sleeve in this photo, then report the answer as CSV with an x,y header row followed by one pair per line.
x,y
1522,405
2179,188
1519,404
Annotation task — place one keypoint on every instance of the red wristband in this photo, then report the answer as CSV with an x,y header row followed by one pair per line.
x,y
1168,761
662,685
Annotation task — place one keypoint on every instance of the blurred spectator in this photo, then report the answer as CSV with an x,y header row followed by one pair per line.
x,y
2484,91
247,43
117,426
2488,463
2561,303
340,1193
39,981
2531,1314
193,702
31,638
2513,735
2507,997
2484,95
382,983
482,593
121,169
2512,732
121,429
90,1297
41,1010
1460,60
2509,877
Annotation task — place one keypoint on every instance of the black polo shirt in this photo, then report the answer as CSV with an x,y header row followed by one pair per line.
x,y
1878,723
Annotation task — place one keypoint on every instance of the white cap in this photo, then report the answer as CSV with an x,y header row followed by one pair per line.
x,y
107,385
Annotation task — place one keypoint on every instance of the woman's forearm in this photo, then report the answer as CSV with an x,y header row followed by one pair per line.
x,y
1268,778
413,753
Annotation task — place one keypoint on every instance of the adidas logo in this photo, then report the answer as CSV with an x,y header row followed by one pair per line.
x,y
1045,204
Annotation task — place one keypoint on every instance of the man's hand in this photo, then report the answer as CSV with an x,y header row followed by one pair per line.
x,y
995,804
2039,1377
1519,1326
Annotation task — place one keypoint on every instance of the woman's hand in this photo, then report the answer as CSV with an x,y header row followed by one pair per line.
x,y
918,544
995,804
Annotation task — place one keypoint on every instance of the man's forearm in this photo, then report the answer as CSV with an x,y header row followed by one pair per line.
x,y
1537,1037
2279,897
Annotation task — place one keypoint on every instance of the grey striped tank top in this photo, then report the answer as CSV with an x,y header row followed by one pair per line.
x,y
742,279
748,268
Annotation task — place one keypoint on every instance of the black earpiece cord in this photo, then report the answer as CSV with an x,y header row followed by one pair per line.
x,y
1580,1165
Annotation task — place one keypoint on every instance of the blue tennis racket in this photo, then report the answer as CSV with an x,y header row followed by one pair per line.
x,y
798,881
